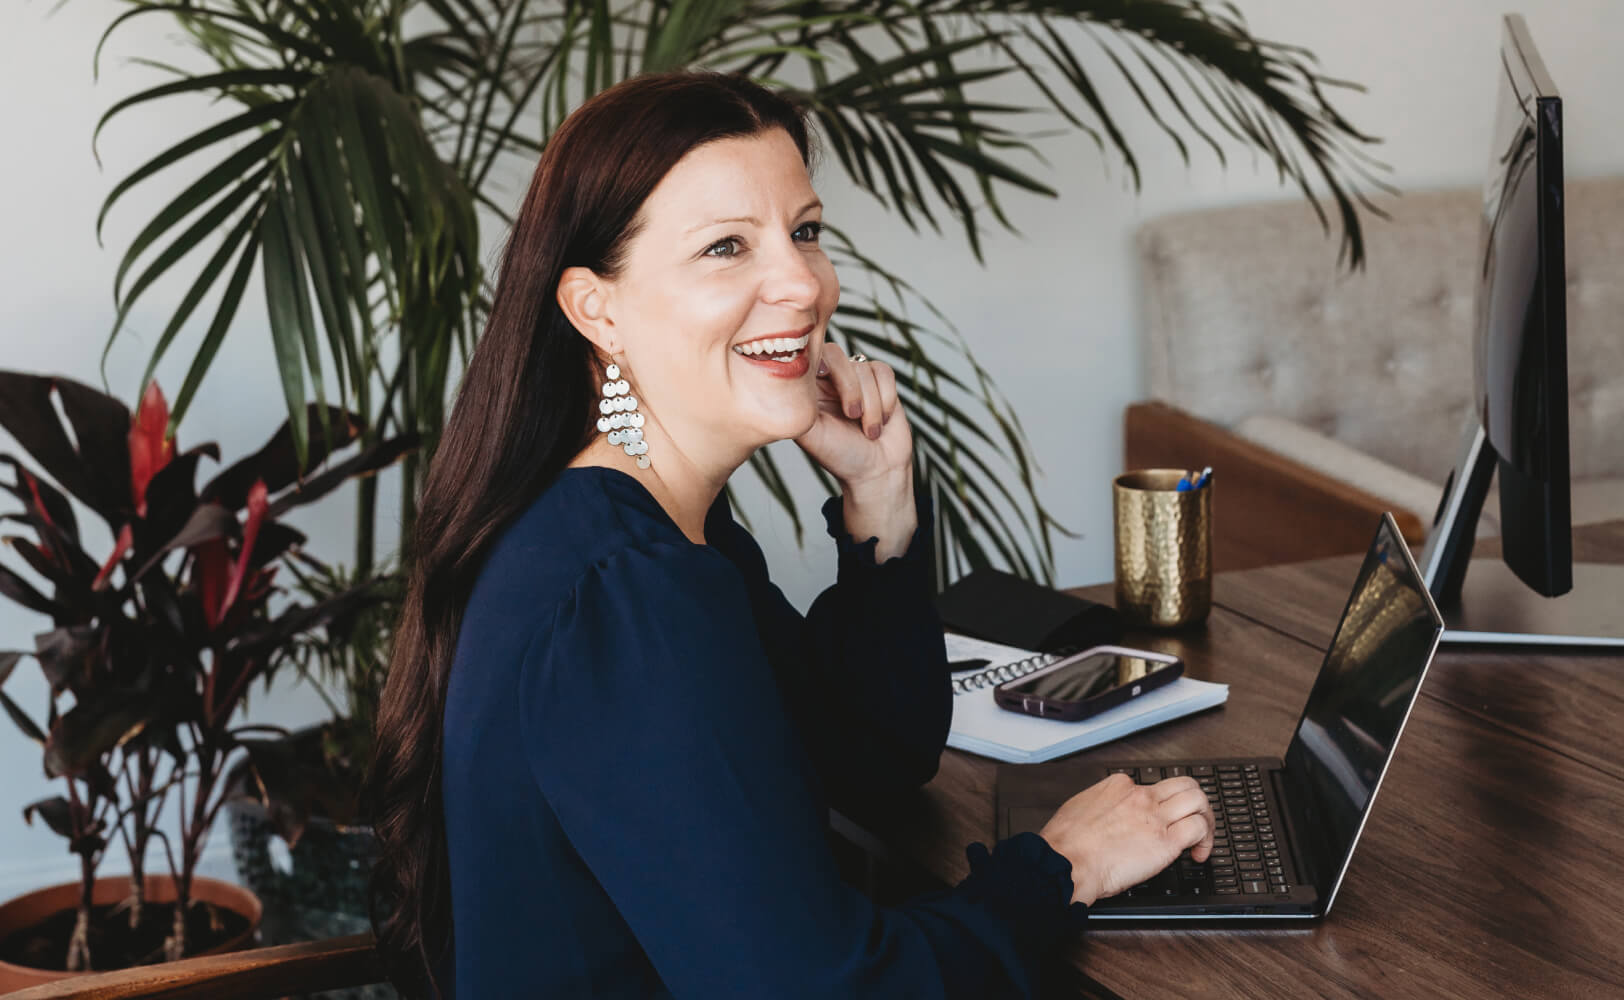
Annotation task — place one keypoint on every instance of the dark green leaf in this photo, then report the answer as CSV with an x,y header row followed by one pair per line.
x,y
276,461
304,319
206,226
217,329
208,522
232,168
68,655
101,427
283,285
326,187
1064,60
258,638
688,24
251,118
326,278
982,164
506,139
27,413
272,33
274,539
765,467
55,811
366,153
17,589
158,592
47,567
292,780
881,77
367,462
8,663
21,719
89,730
40,497
222,81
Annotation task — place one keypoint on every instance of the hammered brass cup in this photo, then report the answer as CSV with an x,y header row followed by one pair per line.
x,y
1163,548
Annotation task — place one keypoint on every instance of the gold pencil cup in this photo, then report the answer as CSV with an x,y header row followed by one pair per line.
x,y
1163,548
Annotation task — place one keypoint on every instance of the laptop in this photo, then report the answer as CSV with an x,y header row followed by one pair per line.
x,y
1285,827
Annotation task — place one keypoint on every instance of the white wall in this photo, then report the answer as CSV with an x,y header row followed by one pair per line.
x,y
1053,315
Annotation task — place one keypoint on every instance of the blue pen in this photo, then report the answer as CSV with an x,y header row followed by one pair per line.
x,y
1184,484
1206,474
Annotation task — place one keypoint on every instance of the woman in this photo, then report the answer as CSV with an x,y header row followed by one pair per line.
x,y
607,744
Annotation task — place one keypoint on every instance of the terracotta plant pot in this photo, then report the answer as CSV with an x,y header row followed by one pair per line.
x,y
31,909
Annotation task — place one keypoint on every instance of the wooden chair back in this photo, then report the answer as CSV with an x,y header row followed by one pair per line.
x,y
256,974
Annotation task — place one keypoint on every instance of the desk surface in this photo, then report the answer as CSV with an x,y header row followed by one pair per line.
x,y
1490,865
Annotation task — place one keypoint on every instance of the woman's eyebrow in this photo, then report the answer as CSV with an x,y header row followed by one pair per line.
x,y
814,203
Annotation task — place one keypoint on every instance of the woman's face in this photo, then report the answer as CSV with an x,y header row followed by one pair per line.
x,y
724,298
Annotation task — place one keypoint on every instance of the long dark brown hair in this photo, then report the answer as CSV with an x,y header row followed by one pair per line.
x,y
525,408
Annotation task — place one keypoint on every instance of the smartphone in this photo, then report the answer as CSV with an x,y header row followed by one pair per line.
x,y
1088,682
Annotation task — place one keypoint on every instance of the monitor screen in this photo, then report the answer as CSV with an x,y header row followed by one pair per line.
x,y
1359,702
1511,398
1520,341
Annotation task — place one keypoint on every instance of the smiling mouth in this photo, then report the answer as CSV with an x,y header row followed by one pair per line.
x,y
781,349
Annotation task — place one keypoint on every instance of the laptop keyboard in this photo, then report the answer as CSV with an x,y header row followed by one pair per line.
x,y
1246,856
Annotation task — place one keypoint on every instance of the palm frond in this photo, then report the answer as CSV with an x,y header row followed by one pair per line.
x,y
1189,65
353,152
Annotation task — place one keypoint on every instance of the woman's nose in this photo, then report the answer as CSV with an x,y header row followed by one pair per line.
x,y
792,279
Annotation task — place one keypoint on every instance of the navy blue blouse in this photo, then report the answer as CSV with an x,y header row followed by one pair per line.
x,y
642,736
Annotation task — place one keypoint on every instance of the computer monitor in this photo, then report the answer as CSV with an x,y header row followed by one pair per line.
x,y
1520,428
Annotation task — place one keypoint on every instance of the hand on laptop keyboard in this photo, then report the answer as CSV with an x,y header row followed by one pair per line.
x,y
1117,833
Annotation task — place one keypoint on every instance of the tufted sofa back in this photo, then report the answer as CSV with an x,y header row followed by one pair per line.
x,y
1246,313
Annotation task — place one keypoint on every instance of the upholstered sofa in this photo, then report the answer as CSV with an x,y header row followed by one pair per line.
x,y
1322,397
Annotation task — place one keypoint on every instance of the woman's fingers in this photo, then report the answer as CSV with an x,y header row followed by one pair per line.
x,y
866,390
886,379
1195,832
843,376
1165,789
1185,805
873,412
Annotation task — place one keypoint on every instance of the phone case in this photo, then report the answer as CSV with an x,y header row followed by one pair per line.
x,y
1071,711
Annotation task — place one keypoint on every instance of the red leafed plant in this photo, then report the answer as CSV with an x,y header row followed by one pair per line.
x,y
153,648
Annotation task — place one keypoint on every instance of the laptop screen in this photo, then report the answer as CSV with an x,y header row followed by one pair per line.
x,y
1360,700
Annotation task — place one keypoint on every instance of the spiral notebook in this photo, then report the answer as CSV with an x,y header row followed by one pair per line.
x,y
981,726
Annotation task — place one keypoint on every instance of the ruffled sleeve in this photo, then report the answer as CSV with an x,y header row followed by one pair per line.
x,y
1026,882
875,657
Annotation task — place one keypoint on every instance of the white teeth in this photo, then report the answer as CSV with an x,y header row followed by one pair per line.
x,y
777,345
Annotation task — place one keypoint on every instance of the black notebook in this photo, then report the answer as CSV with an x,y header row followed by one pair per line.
x,y
1003,608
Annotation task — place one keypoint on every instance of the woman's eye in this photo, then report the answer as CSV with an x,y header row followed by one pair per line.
x,y
731,244
807,232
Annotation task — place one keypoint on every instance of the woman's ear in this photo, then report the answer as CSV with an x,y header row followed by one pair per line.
x,y
583,296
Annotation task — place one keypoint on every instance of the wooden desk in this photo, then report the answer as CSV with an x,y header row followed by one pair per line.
x,y
1492,862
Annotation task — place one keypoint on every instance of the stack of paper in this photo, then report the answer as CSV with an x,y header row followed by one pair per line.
x,y
981,726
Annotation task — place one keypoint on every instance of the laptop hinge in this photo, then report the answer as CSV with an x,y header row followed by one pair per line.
x,y
1296,830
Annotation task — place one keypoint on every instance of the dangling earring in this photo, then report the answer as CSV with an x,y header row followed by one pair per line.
x,y
620,419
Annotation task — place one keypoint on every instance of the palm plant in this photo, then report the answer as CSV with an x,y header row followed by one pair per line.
x,y
361,139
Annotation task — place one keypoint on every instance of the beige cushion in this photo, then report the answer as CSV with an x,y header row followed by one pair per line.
x,y
1592,500
1349,465
1246,313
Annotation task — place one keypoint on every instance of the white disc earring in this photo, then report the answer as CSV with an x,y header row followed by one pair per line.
x,y
620,419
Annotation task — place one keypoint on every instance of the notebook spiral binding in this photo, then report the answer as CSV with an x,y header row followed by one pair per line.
x,y
1002,672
